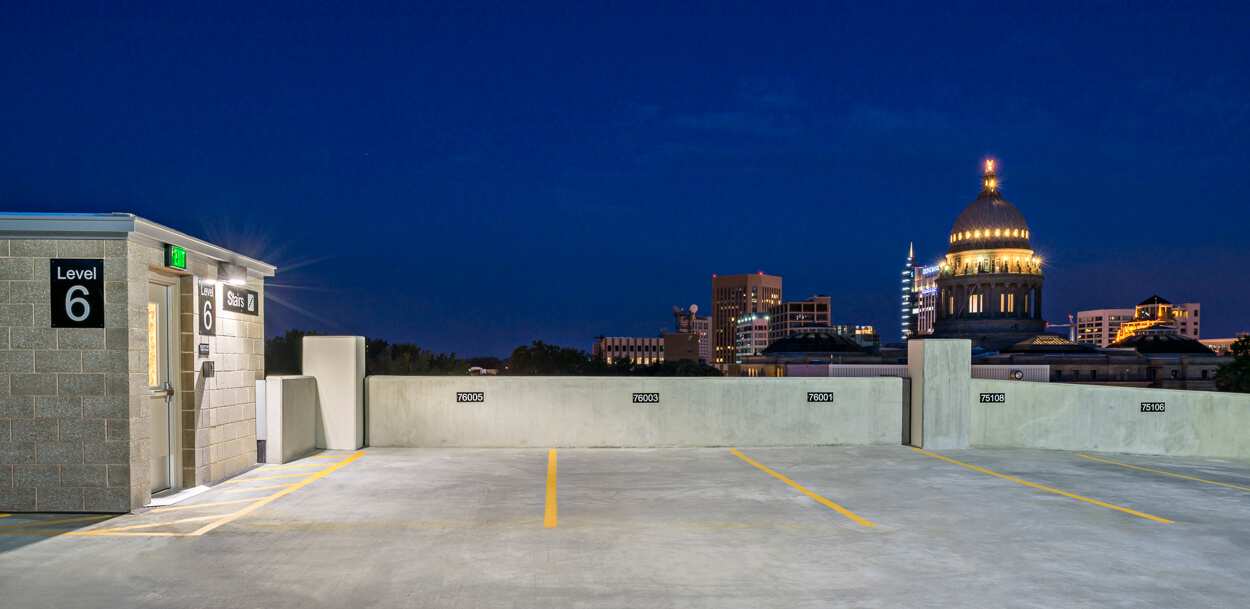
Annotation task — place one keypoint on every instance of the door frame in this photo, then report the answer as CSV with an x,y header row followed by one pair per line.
x,y
173,342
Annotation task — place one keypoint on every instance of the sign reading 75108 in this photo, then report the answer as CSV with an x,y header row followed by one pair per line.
x,y
77,293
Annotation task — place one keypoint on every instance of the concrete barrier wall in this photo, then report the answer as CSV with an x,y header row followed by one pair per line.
x,y
600,411
1059,416
291,413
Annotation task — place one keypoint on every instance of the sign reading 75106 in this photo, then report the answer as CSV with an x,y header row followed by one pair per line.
x,y
77,293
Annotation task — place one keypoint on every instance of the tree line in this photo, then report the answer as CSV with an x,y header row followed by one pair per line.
x,y
284,354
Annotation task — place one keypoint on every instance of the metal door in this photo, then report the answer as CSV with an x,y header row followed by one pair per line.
x,y
161,384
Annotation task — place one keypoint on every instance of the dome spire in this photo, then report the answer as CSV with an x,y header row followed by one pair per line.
x,y
989,182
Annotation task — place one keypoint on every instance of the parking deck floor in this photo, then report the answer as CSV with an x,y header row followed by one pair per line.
x,y
713,527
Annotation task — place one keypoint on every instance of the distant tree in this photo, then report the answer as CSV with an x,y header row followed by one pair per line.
x,y
677,368
285,354
407,359
487,362
1235,376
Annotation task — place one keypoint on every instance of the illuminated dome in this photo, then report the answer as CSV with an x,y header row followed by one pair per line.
x,y
990,222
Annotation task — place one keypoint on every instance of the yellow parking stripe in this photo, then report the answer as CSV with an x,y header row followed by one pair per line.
x,y
149,525
1163,472
329,456
549,515
257,505
293,466
265,478
837,508
1046,488
258,488
199,505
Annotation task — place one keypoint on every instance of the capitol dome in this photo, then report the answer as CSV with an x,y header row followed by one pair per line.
x,y
990,222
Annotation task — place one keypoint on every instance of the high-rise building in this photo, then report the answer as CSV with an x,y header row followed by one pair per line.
x,y
732,297
689,322
990,287
784,319
752,335
925,285
911,304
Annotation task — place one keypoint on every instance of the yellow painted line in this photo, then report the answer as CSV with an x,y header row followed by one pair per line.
x,y
188,507
549,515
149,525
1163,472
837,508
1046,488
4,515
258,488
290,489
38,524
265,478
266,469
329,456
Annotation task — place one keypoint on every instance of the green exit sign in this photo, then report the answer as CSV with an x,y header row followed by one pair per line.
x,y
175,257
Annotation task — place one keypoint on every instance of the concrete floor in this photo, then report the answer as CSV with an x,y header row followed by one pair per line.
x,y
664,528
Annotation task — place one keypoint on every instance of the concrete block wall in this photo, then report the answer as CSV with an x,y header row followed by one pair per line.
x,y
1058,416
71,433
600,412
219,412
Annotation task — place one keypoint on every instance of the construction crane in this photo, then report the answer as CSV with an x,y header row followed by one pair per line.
x,y
1071,326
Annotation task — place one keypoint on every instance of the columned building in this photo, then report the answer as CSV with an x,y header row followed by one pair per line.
x,y
990,287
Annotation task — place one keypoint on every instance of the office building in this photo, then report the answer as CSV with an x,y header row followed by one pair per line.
x,y
688,321
786,318
1099,327
1158,316
910,302
732,297
1223,346
752,335
924,282
990,286
680,346
638,350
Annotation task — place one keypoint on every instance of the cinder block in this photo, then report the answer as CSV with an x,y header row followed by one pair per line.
x,y
18,269
32,248
17,407
35,430
82,430
118,316
34,384
17,361
80,248
37,475
105,361
108,407
114,248
106,499
32,338
6,476
115,292
17,452
116,338
140,495
58,452
84,475
4,291
81,384
17,499
58,361
107,452
14,315
43,316
5,430
119,429
59,499
119,475
57,407
80,338
30,292
117,384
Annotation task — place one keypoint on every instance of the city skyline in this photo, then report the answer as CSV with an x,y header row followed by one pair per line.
x,y
471,178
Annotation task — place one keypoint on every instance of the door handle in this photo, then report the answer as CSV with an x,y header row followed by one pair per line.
x,y
167,391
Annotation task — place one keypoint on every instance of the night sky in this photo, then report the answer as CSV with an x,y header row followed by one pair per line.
x,y
473,176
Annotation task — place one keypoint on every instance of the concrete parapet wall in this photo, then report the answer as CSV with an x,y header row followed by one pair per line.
x,y
338,363
1061,416
291,417
600,411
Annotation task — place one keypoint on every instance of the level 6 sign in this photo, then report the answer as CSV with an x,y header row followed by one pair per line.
x,y
207,309
239,300
77,293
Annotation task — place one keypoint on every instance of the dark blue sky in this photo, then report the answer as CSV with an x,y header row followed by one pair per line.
x,y
472,176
